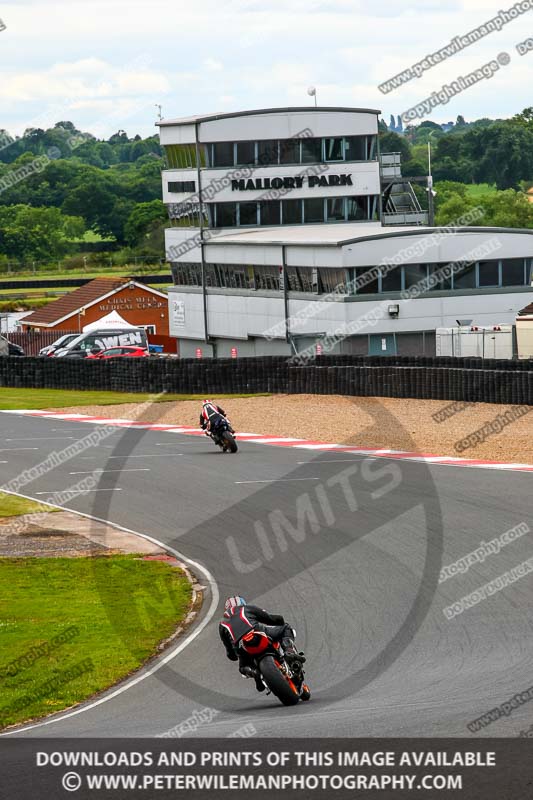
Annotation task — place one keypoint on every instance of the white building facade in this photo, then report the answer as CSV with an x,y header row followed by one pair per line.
x,y
278,244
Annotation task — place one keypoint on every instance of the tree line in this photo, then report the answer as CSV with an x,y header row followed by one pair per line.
x,y
57,184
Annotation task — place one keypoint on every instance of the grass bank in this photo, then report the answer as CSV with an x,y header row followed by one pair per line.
x,y
13,506
12,399
74,627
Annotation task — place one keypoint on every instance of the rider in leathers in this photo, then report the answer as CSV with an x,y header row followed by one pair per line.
x,y
239,619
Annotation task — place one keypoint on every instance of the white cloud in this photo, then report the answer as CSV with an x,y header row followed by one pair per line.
x,y
82,61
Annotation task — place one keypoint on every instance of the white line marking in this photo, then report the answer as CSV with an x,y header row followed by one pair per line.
x,y
101,471
16,449
280,480
195,565
85,491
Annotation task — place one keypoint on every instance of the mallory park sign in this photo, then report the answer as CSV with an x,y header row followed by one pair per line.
x,y
296,182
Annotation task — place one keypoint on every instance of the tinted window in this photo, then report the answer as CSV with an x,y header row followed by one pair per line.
x,y
356,207
223,154
513,272
289,151
291,212
311,151
391,278
465,277
270,212
489,273
314,209
335,209
355,148
245,152
439,282
414,274
333,150
248,213
226,215
366,281
268,152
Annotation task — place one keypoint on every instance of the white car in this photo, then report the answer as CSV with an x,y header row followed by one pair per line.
x,y
61,342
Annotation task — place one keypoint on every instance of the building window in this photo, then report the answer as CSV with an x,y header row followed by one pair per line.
x,y
223,154
245,153
314,209
181,186
311,151
226,215
149,329
441,283
183,156
270,211
289,151
391,278
355,148
227,276
267,278
413,274
489,273
334,149
513,273
464,277
301,279
332,280
268,152
291,211
186,274
365,280
335,209
357,208
247,213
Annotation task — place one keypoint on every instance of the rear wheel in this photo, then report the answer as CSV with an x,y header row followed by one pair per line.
x,y
229,441
280,685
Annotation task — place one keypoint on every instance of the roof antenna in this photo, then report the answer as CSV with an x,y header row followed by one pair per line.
x,y
159,115
312,93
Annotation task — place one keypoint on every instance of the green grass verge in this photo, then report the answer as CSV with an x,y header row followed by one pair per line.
x,y
479,189
121,607
13,506
12,399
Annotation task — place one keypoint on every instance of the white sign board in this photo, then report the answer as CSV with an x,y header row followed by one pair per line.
x,y
177,311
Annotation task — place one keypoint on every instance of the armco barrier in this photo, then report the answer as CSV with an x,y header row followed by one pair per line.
x,y
349,376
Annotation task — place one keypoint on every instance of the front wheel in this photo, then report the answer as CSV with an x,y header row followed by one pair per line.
x,y
280,685
229,441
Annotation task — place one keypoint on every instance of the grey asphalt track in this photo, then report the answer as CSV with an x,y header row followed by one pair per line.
x,y
357,575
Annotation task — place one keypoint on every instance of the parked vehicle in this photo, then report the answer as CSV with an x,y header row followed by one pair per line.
x,y
284,681
15,349
119,352
59,343
86,343
8,348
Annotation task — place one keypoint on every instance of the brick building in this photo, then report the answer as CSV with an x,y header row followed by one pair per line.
x,y
136,303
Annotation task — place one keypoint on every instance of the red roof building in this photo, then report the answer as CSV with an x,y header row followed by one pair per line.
x,y
136,303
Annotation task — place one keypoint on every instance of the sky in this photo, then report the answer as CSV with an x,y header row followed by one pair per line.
x,y
105,64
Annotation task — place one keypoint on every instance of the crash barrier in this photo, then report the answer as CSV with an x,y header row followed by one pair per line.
x,y
327,375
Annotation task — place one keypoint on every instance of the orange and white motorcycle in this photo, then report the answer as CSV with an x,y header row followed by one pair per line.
x,y
285,681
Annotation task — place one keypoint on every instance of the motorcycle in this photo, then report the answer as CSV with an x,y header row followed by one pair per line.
x,y
223,435
284,681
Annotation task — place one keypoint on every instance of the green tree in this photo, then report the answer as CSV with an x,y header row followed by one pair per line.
x,y
30,233
140,223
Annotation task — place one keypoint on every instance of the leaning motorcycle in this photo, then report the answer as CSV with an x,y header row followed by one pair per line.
x,y
223,435
284,681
